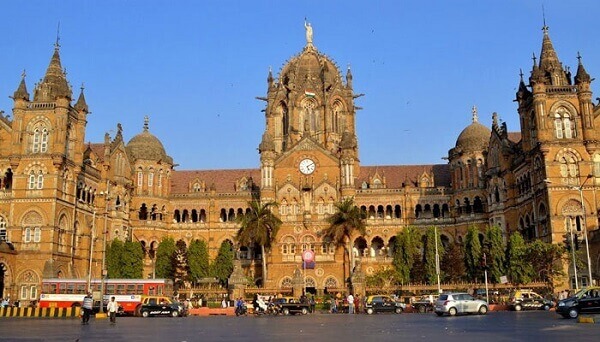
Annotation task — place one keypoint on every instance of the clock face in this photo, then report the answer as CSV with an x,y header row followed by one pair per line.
x,y
307,166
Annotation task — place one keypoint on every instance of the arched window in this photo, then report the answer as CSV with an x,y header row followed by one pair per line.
x,y
308,242
39,144
28,282
564,125
568,166
140,178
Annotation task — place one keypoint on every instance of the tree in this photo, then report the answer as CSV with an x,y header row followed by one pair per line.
x,y
546,260
473,253
495,253
347,220
180,263
429,254
222,266
132,260
519,269
114,253
197,256
164,258
408,244
259,226
453,263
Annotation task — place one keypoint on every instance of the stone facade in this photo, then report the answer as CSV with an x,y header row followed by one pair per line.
x,y
62,199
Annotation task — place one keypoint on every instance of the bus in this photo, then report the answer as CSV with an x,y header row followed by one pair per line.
x,y
66,293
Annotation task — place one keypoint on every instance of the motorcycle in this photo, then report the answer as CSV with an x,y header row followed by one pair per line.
x,y
241,309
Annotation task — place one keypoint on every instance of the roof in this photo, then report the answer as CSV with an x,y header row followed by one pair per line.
x,y
396,175
514,136
224,180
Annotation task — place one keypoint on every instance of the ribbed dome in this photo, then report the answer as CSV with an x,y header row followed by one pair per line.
x,y
147,147
310,62
475,137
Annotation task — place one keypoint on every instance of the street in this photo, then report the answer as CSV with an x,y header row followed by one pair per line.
x,y
496,326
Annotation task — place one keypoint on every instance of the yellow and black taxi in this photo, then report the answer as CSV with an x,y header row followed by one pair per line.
x,y
383,303
159,306
586,301
528,300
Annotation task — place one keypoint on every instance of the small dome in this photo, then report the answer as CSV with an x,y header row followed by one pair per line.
x,y
475,137
146,146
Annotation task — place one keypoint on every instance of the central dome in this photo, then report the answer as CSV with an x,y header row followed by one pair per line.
x,y
475,137
307,66
147,147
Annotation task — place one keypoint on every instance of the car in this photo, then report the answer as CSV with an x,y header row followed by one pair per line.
x,y
159,306
459,303
291,305
382,303
425,303
586,301
528,300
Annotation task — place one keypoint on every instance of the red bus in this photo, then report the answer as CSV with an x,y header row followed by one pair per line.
x,y
66,293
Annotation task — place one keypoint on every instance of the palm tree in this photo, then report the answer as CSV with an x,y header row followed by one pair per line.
x,y
259,226
347,219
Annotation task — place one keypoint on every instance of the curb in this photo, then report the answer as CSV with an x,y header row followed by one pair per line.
x,y
586,319
40,312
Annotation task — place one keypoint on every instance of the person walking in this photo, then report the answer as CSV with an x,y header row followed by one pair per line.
x,y
350,304
112,309
87,307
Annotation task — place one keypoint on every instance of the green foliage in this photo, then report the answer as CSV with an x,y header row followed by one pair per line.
x,y
453,263
408,244
180,263
132,261
382,278
124,260
429,255
546,260
473,254
164,258
495,254
222,266
347,220
114,253
198,264
519,269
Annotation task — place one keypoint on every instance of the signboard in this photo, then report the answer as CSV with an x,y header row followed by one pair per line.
x,y
308,255
503,280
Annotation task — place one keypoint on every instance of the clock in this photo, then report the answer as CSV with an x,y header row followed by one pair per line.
x,y
307,166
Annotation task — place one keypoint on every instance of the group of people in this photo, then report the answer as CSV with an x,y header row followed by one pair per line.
x,y
354,302
87,306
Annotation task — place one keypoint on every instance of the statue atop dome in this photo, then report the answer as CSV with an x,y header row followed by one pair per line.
x,y
309,32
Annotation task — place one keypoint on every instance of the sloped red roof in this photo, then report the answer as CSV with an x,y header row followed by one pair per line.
x,y
395,175
223,180
514,136
98,149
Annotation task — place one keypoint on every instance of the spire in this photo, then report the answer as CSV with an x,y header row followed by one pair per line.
x,y
81,105
550,65
475,116
54,83
523,91
146,120
270,77
21,92
582,75
349,77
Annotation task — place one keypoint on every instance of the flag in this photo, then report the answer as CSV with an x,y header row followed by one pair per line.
x,y
309,93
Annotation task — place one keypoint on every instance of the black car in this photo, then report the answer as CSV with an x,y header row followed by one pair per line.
x,y
586,301
155,308
528,300
380,303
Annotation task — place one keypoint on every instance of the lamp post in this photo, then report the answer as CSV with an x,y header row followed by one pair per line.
x,y
104,232
585,234
89,279
437,259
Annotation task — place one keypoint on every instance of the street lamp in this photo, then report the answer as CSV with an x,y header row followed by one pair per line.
x,y
92,237
585,234
437,258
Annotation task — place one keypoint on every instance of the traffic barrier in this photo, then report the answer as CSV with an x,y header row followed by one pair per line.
x,y
586,319
40,312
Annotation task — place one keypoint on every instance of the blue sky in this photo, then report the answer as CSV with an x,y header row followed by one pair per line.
x,y
196,67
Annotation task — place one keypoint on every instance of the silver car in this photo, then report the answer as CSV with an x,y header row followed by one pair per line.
x,y
459,303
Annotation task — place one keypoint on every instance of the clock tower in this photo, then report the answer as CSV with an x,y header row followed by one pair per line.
x,y
309,157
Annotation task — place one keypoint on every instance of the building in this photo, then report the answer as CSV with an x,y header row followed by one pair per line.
x,y
62,200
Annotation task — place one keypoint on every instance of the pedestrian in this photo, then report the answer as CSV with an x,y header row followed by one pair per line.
x,y
350,303
112,309
87,306
357,304
313,304
333,305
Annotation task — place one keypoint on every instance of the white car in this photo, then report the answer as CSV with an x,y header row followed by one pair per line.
x,y
459,303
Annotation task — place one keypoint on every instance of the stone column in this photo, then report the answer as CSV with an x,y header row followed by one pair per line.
x,y
357,280
237,281
298,283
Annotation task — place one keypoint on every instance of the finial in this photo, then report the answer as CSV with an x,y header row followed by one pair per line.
x,y
474,111
23,74
521,73
534,59
544,28
82,87
57,44
146,120
578,57
309,32
348,66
